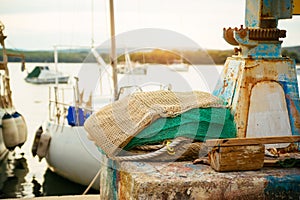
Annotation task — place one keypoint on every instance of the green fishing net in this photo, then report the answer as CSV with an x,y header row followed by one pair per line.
x,y
198,124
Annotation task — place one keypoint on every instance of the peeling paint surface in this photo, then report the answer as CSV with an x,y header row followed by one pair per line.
x,y
263,50
227,83
183,180
266,116
259,10
251,72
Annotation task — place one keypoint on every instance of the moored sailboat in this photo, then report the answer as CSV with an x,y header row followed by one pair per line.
x,y
68,151
62,139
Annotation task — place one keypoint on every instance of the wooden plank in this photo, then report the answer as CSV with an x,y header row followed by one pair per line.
x,y
252,141
237,158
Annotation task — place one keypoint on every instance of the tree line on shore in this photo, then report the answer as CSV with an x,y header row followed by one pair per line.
x,y
156,56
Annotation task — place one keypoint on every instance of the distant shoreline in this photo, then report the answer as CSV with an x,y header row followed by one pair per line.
x,y
155,56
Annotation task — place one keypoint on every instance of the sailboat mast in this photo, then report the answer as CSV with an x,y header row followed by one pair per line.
x,y
113,58
92,25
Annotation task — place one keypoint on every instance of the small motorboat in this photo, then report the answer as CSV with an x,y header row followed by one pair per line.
x,y
44,75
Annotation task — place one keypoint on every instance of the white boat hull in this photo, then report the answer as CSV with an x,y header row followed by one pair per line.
x,y
44,75
72,155
47,80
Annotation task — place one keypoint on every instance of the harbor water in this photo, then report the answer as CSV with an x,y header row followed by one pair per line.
x,y
24,176
21,174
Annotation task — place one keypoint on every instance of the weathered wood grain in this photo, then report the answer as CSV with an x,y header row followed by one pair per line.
x,y
237,158
252,141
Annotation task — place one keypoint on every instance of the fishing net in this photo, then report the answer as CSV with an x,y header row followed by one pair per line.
x,y
115,125
198,124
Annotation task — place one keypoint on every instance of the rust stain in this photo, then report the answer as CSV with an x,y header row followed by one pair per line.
x,y
229,36
295,113
243,33
225,84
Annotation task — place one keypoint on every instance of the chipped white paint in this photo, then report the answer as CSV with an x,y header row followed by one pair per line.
x,y
268,115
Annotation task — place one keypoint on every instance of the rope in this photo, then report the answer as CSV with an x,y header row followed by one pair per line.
x,y
92,182
150,147
168,148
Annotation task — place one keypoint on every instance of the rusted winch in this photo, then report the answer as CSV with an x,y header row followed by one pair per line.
x,y
253,33
258,83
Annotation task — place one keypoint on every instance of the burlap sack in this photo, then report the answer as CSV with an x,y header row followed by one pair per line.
x,y
113,126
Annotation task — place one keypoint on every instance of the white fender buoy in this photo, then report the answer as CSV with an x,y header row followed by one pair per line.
x,y
43,145
22,128
36,141
9,132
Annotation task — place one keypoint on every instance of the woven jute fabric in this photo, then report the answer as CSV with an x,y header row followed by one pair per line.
x,y
113,126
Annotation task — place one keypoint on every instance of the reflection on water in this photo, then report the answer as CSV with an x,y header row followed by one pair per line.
x,y
13,172
36,188
57,185
14,168
22,175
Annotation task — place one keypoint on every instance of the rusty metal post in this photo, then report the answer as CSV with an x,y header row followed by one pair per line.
x,y
258,83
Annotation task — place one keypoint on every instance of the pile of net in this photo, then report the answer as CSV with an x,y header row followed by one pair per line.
x,y
147,118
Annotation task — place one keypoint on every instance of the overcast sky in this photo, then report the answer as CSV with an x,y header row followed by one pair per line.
x,y
41,24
